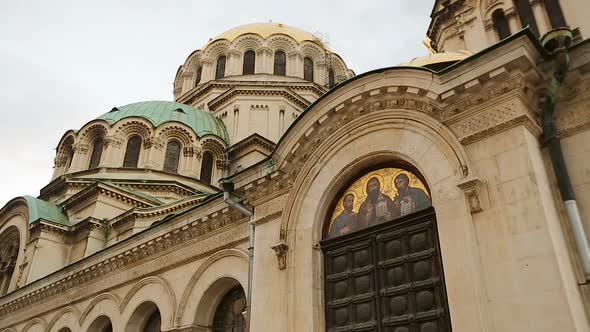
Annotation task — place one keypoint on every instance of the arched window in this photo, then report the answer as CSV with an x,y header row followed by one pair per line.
x,y
132,151
9,246
65,329
229,314
395,247
96,153
172,157
249,63
220,69
199,72
501,24
555,14
153,323
280,67
331,78
523,7
207,167
308,69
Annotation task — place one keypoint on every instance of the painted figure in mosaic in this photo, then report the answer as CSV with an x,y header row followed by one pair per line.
x,y
378,207
408,199
347,221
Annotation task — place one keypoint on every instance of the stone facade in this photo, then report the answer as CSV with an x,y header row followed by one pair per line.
x,y
169,242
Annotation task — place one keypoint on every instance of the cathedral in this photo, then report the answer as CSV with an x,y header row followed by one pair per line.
x,y
282,191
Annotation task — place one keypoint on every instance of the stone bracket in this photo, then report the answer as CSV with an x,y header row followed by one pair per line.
x,y
281,252
473,188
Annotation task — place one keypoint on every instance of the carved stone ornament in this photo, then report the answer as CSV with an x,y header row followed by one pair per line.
x,y
281,251
472,189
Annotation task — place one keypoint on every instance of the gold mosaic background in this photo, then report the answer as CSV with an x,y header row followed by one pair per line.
x,y
386,177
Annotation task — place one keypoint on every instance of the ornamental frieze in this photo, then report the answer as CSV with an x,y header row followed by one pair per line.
x,y
161,245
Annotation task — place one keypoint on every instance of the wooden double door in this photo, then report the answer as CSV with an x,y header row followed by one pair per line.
x,y
387,278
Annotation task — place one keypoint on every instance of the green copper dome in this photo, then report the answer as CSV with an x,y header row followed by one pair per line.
x,y
160,112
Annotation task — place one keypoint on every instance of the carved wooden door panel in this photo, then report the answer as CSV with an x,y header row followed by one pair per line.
x,y
387,278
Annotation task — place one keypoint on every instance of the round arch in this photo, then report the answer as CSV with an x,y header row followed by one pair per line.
x,y
142,315
100,324
217,275
35,325
379,137
104,305
67,317
156,291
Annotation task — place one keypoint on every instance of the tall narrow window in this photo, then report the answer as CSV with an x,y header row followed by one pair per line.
x,y
501,24
555,14
308,69
207,167
220,70
96,153
249,62
229,313
523,7
280,67
132,151
331,78
199,72
172,157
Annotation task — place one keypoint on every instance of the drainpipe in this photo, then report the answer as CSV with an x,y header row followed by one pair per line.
x,y
556,43
228,188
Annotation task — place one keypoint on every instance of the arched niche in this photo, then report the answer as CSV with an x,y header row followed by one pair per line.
x,y
100,309
145,318
143,299
218,274
101,324
209,305
378,138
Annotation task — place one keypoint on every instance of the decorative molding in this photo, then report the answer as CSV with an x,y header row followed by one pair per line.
x,y
472,188
83,275
281,252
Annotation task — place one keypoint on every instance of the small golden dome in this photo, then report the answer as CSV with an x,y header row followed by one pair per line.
x,y
438,58
266,30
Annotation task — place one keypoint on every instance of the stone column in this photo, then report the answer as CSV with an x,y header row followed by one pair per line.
x,y
188,81
80,157
208,71
233,62
152,148
513,20
264,62
540,16
112,155
189,169
295,64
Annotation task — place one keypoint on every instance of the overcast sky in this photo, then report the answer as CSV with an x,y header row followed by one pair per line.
x,y
63,63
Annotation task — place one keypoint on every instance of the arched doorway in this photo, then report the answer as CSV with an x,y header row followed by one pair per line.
x,y
382,263
229,315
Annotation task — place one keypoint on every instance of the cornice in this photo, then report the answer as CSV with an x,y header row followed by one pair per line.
x,y
155,212
203,89
253,140
284,92
99,188
219,229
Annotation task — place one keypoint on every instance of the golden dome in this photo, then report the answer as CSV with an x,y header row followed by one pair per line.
x,y
266,30
435,58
